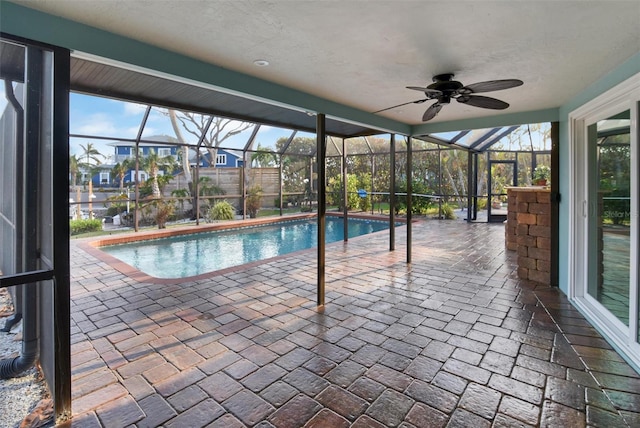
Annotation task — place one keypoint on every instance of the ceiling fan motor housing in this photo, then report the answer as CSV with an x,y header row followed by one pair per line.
x,y
447,87
444,88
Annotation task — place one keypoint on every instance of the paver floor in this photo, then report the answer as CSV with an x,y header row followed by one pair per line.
x,y
453,339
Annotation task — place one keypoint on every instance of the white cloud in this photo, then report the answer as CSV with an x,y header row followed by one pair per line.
x,y
150,131
133,109
133,130
95,124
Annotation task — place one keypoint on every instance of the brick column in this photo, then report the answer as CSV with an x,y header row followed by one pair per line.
x,y
528,231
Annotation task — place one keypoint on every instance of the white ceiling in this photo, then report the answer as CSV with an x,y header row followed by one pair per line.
x,y
364,53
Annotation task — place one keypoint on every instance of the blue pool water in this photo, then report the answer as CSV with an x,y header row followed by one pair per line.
x,y
198,253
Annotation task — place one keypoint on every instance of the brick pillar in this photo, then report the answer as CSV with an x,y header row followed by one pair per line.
x,y
528,231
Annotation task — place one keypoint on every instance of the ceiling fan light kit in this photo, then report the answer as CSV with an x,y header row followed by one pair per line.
x,y
444,88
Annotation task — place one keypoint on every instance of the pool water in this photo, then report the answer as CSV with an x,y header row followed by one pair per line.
x,y
194,254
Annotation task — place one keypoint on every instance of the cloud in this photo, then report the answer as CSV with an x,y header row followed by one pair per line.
x,y
95,124
133,109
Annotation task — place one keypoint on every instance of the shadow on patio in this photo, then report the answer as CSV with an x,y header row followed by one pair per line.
x,y
454,339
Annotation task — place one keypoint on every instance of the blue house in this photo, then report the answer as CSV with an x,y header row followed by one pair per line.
x,y
163,146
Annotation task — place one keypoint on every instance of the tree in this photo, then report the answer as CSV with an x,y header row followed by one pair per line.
x,y
295,162
264,158
74,170
181,194
91,158
211,137
221,129
254,201
153,164
183,154
120,170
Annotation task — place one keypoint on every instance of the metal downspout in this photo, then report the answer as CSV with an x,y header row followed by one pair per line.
x,y
15,366
15,291
29,232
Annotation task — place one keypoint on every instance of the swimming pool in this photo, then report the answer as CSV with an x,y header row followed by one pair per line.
x,y
198,253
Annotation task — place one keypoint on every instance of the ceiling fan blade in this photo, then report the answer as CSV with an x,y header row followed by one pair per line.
x,y
431,93
400,105
432,111
491,85
483,102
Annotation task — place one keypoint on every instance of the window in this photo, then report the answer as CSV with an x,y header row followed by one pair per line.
x,y
104,178
221,160
164,152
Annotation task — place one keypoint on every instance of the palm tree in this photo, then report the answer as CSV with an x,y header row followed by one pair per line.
x,y
91,158
120,170
153,163
184,151
74,170
263,157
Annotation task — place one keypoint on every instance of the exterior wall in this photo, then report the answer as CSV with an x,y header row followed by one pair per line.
x,y
231,159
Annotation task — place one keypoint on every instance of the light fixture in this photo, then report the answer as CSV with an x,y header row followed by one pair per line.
x,y
261,62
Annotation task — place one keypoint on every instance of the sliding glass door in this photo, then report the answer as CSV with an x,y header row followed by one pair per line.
x,y
605,244
609,194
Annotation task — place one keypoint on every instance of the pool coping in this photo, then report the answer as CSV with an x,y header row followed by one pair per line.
x,y
93,247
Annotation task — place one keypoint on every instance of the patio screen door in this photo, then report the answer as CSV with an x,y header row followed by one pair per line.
x,y
605,237
502,174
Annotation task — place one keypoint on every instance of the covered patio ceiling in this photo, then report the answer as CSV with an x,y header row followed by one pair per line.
x,y
96,78
345,60
103,79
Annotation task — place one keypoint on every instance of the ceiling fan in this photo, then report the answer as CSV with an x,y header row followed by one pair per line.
x,y
444,88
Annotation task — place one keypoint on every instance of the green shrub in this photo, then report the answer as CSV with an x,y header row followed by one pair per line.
x,y
164,210
254,201
222,210
115,205
448,212
419,205
482,203
85,225
364,182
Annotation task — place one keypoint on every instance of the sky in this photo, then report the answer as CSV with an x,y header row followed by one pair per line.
x,y
104,117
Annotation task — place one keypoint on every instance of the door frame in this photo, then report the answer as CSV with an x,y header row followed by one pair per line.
x,y
625,96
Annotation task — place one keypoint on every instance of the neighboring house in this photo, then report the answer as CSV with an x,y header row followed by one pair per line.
x,y
102,178
227,159
163,146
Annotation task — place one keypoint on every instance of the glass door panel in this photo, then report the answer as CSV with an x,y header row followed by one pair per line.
x,y
502,174
610,225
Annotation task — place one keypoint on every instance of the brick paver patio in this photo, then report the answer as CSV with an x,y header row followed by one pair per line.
x,y
454,339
